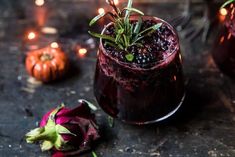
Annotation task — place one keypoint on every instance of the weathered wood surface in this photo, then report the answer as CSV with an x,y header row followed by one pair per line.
x,y
204,126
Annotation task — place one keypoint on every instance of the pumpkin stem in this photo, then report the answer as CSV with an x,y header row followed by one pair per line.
x,y
46,57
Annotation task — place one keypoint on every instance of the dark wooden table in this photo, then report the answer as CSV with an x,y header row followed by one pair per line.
x,y
204,126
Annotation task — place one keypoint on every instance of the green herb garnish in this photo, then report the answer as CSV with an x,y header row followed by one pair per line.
x,y
130,57
227,3
126,33
94,154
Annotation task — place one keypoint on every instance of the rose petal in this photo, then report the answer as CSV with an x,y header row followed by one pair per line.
x,y
91,134
72,153
82,111
58,154
62,120
67,137
63,111
45,118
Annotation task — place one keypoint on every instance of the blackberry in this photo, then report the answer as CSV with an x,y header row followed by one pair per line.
x,y
120,55
148,48
164,45
147,24
165,30
144,58
132,49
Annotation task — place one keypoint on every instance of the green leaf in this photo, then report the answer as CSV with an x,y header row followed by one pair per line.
x,y
138,44
111,44
63,130
134,10
95,19
59,142
154,27
227,3
157,26
120,31
138,26
94,154
120,46
125,40
55,111
117,39
141,37
129,57
51,119
46,145
132,30
35,132
102,36
129,5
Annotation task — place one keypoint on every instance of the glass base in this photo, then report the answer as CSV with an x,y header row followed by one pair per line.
x,y
159,119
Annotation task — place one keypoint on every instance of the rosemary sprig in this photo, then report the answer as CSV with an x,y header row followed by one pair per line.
x,y
227,3
126,33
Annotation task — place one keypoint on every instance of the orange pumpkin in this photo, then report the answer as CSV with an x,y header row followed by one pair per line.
x,y
46,64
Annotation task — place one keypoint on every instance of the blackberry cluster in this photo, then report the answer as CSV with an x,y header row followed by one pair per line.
x,y
142,56
152,50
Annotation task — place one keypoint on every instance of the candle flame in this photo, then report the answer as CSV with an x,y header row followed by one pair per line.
x,y
54,45
39,2
101,11
31,35
82,52
223,11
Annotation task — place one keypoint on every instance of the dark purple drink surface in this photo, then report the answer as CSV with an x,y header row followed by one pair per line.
x,y
140,95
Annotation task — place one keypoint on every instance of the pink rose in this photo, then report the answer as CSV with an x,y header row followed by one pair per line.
x,y
66,131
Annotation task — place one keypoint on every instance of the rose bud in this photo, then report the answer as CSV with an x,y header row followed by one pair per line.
x,y
66,131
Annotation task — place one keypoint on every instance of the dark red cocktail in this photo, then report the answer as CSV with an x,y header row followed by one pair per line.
x,y
224,47
149,89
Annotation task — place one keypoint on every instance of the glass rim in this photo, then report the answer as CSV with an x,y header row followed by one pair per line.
x,y
155,64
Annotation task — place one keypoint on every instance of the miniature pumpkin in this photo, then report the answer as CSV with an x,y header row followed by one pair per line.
x,y
46,64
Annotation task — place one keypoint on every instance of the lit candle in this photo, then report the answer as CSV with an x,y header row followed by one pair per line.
x,y
40,12
30,40
31,35
81,52
54,45
39,2
101,11
222,14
